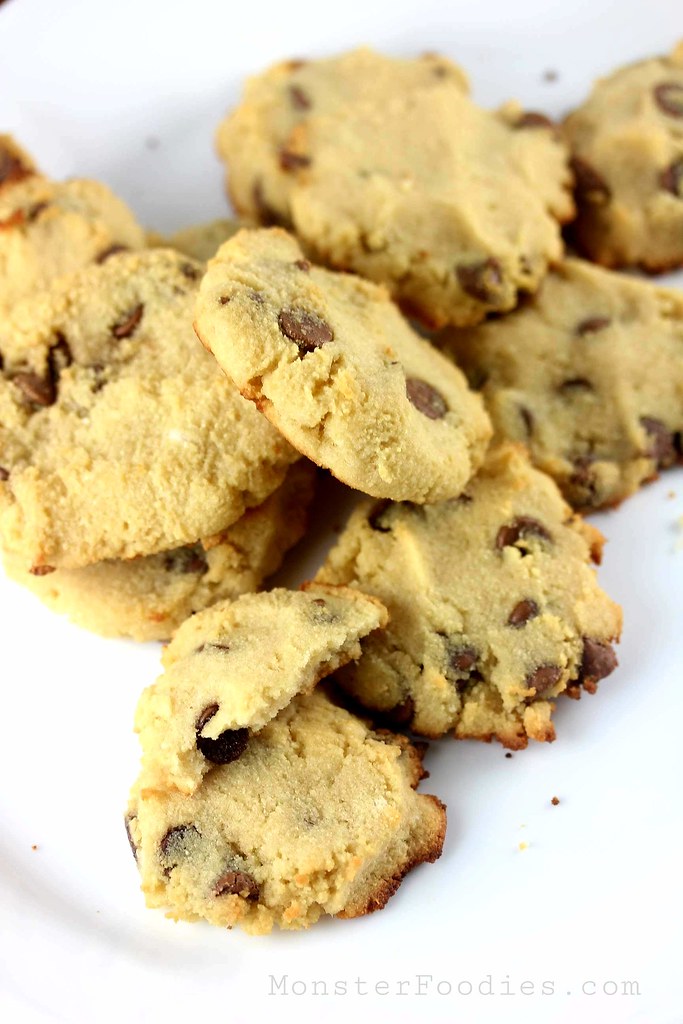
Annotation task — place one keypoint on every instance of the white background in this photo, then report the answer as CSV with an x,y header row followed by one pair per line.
x,y
131,92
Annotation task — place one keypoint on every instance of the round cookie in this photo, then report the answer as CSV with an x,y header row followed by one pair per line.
x,y
589,375
335,367
15,163
493,607
386,167
119,435
49,228
231,668
627,145
318,816
147,598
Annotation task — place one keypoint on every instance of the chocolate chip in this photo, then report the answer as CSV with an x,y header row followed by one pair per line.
x,y
266,214
111,251
520,528
542,678
207,714
36,389
375,517
190,558
597,661
11,168
127,324
302,265
256,297
662,447
528,419
669,98
522,613
212,647
308,330
188,271
401,714
671,179
300,99
4,473
462,658
584,477
131,842
291,161
590,186
41,570
426,399
592,325
237,883
481,281
227,747
575,384
174,844
35,211
532,119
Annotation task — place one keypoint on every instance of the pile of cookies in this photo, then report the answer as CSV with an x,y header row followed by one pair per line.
x,y
396,306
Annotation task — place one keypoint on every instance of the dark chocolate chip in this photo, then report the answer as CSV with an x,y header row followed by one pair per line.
x,y
265,213
35,211
481,281
302,265
300,99
671,178
532,119
291,161
124,327
598,660
376,515
592,325
131,842
522,613
174,845
520,528
306,329
206,715
227,747
41,570
426,398
461,658
401,714
111,251
669,98
528,419
237,883
590,186
4,473
662,441
190,558
36,389
583,475
11,168
542,678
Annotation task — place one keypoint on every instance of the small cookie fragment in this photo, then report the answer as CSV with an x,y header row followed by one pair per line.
x,y
230,669
386,167
492,606
335,367
119,434
50,228
589,376
147,598
318,816
627,145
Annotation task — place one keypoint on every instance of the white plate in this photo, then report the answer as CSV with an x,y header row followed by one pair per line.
x,y
131,92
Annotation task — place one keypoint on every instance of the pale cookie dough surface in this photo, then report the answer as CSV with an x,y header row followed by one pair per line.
x,y
119,434
589,375
494,609
627,142
147,598
318,816
50,228
335,367
386,167
15,163
230,669
200,241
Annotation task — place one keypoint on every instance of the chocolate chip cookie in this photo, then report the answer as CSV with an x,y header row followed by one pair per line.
x,y
335,367
493,607
147,598
627,145
318,816
231,668
386,167
49,228
119,434
589,375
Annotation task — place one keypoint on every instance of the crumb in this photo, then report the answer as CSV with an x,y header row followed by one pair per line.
x,y
508,754
523,846
550,75
151,142
34,847
555,801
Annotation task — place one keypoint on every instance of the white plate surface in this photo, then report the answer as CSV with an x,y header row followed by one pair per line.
x,y
582,925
